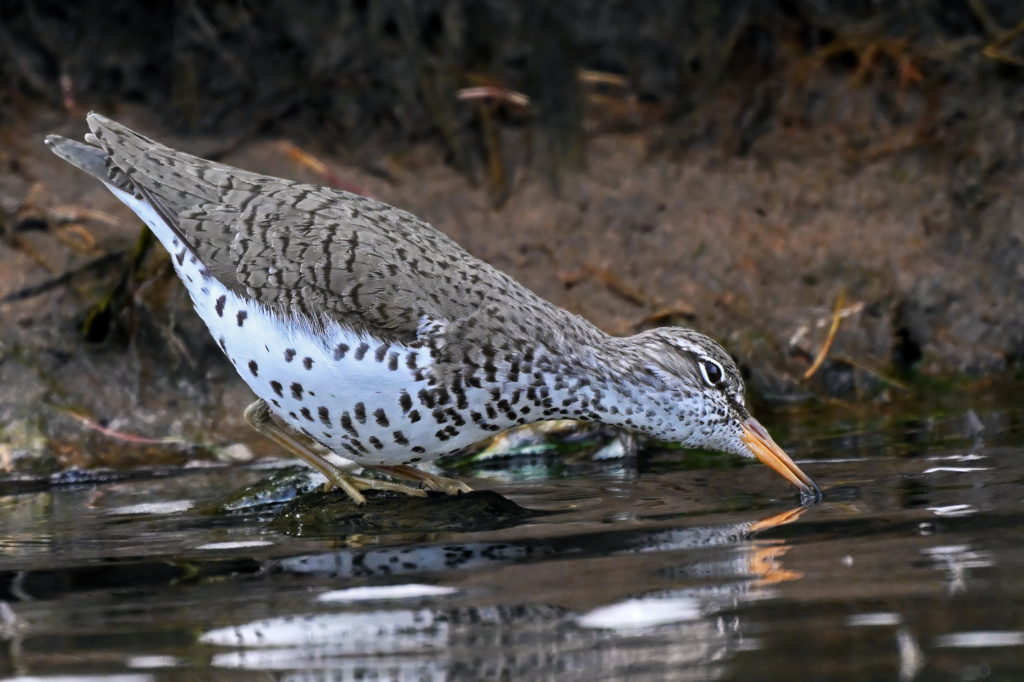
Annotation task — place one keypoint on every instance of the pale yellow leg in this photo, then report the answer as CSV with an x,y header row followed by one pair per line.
x,y
258,416
428,481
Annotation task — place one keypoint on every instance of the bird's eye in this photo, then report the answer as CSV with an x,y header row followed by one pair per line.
x,y
711,371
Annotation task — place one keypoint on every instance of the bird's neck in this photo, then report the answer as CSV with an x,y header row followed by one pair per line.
x,y
587,374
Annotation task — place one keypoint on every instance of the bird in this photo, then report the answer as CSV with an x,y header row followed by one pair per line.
x,y
371,335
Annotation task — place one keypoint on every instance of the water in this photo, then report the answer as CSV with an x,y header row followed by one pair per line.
x,y
666,568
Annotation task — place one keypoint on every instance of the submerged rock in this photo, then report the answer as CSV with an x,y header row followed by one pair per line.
x,y
334,513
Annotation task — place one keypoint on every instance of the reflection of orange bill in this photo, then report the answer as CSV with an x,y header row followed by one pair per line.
x,y
765,449
780,519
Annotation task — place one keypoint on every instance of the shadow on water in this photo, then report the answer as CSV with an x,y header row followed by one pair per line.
x,y
593,570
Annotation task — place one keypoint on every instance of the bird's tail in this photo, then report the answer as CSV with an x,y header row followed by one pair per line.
x,y
92,160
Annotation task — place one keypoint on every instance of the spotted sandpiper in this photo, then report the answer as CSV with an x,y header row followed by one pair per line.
x,y
374,335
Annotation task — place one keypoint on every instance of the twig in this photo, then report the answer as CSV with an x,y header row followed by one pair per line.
x,y
602,78
836,319
997,48
885,378
43,287
657,317
606,277
494,92
304,158
127,437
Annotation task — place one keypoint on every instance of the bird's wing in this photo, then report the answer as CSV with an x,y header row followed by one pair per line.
x,y
363,264
319,251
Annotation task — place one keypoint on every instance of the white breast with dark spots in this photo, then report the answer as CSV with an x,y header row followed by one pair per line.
x,y
372,401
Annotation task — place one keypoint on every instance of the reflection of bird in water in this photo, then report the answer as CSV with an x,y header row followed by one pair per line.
x,y
539,620
368,331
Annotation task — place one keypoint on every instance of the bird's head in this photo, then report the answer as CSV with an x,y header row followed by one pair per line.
x,y
702,393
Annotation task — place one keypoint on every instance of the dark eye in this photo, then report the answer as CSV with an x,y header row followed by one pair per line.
x,y
711,371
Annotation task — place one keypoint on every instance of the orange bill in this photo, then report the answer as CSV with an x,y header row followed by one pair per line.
x,y
765,449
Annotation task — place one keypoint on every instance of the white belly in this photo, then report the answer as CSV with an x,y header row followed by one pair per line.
x,y
363,398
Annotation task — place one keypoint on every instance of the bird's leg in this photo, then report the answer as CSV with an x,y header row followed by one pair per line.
x,y
427,481
258,416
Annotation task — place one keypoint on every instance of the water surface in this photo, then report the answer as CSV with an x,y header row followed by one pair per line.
x,y
662,567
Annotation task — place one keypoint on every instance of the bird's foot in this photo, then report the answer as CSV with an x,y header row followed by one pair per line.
x,y
354,486
427,481
258,416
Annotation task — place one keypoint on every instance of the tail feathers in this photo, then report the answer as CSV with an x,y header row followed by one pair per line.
x,y
92,160
119,140
107,148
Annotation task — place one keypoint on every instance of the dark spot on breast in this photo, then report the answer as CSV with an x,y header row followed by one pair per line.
x,y
414,416
306,413
254,368
181,259
393,361
296,390
426,398
219,307
307,363
400,438
381,417
324,414
405,402
241,317
418,449
361,351
339,351
359,410
375,442
223,346
346,423
382,351
289,354
410,360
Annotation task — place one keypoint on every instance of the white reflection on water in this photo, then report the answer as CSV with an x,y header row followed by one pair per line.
x,y
238,544
979,639
956,470
957,560
386,592
366,632
81,678
154,661
953,510
169,507
642,613
873,619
